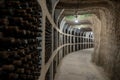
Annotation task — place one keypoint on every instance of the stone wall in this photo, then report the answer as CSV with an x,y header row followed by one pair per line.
x,y
116,69
107,42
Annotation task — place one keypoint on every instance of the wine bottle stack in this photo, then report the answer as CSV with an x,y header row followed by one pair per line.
x,y
55,39
47,77
54,67
49,6
20,34
48,40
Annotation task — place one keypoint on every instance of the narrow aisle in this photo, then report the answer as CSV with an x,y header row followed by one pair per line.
x,y
78,66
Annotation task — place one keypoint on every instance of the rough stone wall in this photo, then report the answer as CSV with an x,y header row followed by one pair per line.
x,y
116,69
96,30
107,42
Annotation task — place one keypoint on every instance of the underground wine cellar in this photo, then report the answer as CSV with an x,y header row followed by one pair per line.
x,y
59,40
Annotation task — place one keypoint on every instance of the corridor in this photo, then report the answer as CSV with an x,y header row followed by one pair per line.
x,y
78,66
59,39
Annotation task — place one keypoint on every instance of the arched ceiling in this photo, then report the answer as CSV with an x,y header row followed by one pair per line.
x,y
82,7
72,4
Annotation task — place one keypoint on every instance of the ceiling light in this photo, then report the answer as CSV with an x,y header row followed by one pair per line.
x,y
76,20
76,17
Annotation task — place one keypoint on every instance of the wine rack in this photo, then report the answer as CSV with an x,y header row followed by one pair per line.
x,y
66,37
54,66
55,39
63,40
58,34
49,5
76,44
20,38
48,40
47,77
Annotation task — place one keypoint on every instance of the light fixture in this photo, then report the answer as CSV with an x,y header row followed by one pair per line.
x,y
79,28
76,16
76,20
76,12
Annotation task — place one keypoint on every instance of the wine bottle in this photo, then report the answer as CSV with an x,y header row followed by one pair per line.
x,y
15,21
23,77
21,52
24,60
4,55
29,57
20,70
8,67
7,43
19,13
17,62
11,31
28,71
4,21
13,4
4,12
24,5
13,76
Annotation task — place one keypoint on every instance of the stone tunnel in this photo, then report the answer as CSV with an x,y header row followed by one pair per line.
x,y
59,40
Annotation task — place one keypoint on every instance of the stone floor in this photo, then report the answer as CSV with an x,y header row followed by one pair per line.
x,y
78,66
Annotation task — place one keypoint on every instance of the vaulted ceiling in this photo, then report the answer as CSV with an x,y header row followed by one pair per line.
x,y
82,7
69,4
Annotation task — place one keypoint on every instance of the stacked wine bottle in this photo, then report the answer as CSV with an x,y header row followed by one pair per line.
x,y
20,38
48,40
